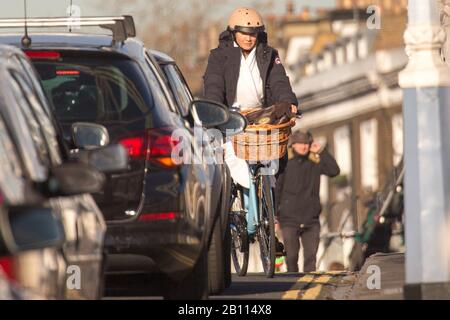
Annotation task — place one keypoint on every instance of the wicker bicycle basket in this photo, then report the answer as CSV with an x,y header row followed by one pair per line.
x,y
262,142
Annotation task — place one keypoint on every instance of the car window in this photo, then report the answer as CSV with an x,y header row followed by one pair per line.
x,y
33,81
155,82
11,173
35,129
95,90
38,114
24,130
178,87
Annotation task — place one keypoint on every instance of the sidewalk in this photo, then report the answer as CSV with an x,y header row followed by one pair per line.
x,y
391,268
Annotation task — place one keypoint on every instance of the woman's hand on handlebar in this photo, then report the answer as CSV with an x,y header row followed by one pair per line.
x,y
294,108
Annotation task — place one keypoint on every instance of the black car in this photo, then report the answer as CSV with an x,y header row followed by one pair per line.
x,y
219,254
38,170
160,213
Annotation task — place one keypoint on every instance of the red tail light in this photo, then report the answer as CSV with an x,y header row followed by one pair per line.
x,y
158,216
161,145
67,72
156,145
45,55
7,264
135,146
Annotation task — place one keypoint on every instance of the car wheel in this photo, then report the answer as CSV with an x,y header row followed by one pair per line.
x,y
194,286
102,277
216,261
227,255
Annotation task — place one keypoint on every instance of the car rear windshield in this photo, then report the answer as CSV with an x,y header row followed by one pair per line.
x,y
95,89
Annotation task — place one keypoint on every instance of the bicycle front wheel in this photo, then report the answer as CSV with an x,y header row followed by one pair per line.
x,y
239,236
266,229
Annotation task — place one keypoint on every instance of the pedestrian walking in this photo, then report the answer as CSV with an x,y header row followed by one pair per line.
x,y
299,199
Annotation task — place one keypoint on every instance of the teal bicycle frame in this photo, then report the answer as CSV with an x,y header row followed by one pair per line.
x,y
251,203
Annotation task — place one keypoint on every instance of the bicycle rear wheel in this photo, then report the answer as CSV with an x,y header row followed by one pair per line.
x,y
266,228
239,236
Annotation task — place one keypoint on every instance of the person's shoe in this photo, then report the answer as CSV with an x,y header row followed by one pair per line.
x,y
279,248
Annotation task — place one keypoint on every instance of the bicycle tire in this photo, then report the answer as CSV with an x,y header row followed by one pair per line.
x,y
239,237
266,225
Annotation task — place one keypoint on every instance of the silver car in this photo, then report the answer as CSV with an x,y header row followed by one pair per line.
x,y
37,166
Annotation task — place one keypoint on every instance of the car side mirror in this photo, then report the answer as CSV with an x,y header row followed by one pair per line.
x,y
236,124
74,178
29,228
208,113
89,135
109,159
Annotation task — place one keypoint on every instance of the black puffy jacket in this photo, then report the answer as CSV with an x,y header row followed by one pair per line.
x,y
222,73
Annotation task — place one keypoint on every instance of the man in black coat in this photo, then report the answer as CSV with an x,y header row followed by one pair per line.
x,y
299,199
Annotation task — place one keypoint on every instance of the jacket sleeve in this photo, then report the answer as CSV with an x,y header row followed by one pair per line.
x,y
213,79
278,82
328,165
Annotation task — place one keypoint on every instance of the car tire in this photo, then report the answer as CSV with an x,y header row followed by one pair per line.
x,y
102,280
216,262
194,286
227,255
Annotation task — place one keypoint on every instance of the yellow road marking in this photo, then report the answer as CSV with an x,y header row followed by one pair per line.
x,y
313,292
301,283
323,279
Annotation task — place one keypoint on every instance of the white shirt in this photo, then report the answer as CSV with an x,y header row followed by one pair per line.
x,y
249,93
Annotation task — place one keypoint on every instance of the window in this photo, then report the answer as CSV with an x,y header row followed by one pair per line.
x,y
25,131
33,125
369,154
33,82
39,122
95,90
178,87
11,173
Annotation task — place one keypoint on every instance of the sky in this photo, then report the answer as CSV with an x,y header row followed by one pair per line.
x,y
39,8
60,8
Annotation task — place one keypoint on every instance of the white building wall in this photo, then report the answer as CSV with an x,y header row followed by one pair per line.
x,y
397,137
369,154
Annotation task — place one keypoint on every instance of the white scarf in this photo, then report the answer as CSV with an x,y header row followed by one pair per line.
x,y
249,93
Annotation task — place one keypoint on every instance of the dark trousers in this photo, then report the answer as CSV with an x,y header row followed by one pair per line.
x,y
310,237
279,183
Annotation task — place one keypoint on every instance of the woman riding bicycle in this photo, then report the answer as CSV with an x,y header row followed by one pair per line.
x,y
244,72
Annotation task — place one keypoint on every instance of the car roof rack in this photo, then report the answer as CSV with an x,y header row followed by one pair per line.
x,y
122,27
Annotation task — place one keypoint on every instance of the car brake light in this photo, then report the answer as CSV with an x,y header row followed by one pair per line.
x,y
158,216
135,146
7,264
67,72
156,146
45,55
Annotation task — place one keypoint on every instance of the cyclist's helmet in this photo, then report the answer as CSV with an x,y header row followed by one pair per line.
x,y
246,20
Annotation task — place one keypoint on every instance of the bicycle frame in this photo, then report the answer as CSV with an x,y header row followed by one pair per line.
x,y
251,204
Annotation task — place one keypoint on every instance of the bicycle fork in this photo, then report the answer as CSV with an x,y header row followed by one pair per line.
x,y
251,207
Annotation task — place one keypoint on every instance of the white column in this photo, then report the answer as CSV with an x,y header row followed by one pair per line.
x,y
426,113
